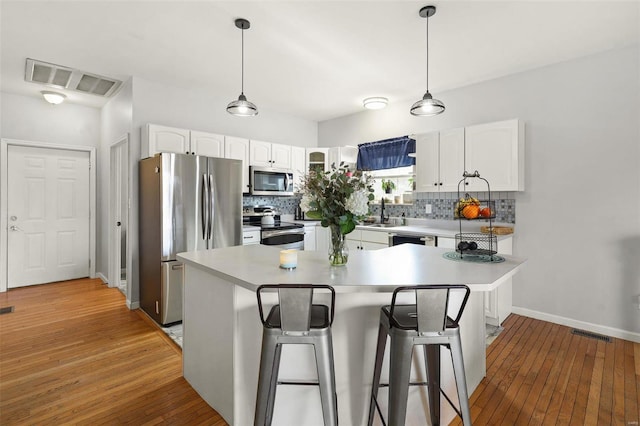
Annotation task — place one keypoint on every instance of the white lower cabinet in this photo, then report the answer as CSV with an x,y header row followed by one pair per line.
x,y
498,303
446,242
310,237
250,236
362,239
323,238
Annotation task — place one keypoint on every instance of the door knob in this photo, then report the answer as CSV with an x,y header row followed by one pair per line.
x,y
14,228
13,218
118,223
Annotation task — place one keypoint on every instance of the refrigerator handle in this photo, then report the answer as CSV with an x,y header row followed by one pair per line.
x,y
211,209
204,203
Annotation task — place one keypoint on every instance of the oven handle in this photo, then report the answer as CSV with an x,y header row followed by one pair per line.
x,y
268,234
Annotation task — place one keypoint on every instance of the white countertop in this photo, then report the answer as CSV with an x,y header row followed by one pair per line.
x,y
367,270
439,228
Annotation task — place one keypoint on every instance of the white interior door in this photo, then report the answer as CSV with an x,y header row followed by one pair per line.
x,y
119,205
48,208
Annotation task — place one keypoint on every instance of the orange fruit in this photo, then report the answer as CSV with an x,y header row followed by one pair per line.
x,y
471,211
485,212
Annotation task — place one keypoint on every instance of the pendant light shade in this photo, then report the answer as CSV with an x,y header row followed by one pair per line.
x,y
242,107
427,105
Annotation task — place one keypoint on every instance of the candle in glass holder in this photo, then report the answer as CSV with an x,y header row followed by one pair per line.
x,y
288,259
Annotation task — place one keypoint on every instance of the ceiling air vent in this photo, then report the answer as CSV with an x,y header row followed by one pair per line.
x,y
69,78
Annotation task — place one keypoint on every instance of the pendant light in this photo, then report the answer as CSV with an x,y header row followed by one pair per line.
x,y
427,105
242,107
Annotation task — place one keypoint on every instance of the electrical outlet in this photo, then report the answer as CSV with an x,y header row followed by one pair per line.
x,y
428,209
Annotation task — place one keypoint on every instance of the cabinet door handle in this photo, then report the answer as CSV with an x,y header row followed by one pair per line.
x,y
440,184
435,183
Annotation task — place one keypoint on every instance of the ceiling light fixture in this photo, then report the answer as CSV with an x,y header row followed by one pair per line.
x,y
54,98
242,107
375,103
427,105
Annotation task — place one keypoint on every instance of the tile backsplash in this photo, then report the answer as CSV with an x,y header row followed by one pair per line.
x,y
442,205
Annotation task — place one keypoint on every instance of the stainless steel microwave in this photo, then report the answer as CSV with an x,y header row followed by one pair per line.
x,y
270,181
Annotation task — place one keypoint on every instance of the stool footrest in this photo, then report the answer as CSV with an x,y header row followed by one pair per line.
x,y
386,385
298,382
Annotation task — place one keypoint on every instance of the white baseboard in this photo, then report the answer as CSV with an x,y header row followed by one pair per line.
x,y
594,328
102,277
132,306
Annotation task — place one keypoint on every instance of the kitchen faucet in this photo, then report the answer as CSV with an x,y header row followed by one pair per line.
x,y
382,218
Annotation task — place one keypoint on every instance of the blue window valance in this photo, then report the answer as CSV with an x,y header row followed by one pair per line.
x,y
386,154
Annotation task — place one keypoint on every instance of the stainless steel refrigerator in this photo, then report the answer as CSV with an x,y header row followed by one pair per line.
x,y
186,203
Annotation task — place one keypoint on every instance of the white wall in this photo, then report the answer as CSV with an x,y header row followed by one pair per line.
x,y
197,110
33,119
577,222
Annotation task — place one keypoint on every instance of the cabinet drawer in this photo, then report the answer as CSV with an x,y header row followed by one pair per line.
x,y
375,237
250,237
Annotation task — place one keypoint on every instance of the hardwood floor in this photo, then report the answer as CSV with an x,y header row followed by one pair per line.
x,y
539,373
72,352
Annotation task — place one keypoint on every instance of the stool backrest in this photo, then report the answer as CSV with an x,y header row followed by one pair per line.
x,y
433,304
295,301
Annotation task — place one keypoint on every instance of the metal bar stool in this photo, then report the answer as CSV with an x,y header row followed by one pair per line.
x,y
296,320
424,323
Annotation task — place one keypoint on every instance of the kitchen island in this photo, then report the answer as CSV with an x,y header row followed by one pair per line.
x,y
223,333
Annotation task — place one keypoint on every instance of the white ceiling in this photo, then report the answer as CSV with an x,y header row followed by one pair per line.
x,y
313,59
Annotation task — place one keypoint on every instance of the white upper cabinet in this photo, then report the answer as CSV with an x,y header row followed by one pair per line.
x,y
496,151
439,160
427,162
343,154
451,158
269,154
298,165
318,159
281,156
207,144
158,139
238,149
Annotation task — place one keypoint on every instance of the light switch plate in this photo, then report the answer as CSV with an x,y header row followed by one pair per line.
x,y
428,209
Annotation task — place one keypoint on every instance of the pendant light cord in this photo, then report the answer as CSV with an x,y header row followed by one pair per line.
x,y
427,54
242,68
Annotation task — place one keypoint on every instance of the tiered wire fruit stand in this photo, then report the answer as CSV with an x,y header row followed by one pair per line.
x,y
475,246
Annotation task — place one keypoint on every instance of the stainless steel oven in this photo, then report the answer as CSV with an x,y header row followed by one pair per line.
x,y
291,238
274,232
